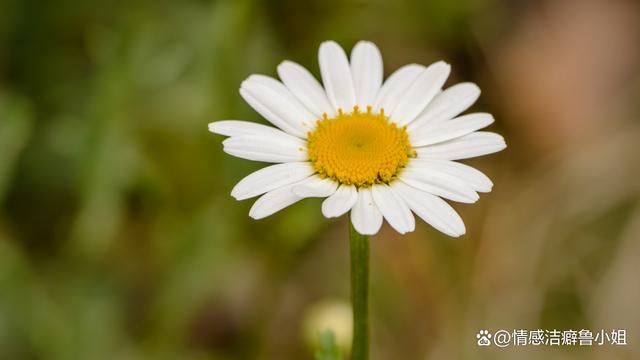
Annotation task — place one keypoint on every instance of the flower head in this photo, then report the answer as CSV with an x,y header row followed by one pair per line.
x,y
379,150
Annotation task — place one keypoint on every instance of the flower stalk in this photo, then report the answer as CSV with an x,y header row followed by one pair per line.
x,y
359,248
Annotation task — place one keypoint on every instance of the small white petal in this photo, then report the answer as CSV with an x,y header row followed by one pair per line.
x,y
471,176
305,88
285,148
336,76
365,216
440,131
272,84
367,72
238,128
270,178
275,103
278,199
447,104
475,144
396,86
340,202
420,93
393,208
437,182
316,187
431,209
273,201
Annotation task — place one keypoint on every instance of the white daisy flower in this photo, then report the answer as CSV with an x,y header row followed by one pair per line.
x,y
379,150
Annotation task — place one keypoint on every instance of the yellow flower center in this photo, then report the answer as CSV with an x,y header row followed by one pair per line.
x,y
359,148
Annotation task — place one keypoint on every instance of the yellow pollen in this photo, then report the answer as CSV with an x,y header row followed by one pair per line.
x,y
359,148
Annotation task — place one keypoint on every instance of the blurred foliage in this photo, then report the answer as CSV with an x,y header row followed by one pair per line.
x,y
118,237
328,348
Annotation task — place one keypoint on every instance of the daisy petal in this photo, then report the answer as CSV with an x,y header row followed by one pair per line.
x,y
431,209
340,202
395,87
475,144
365,216
420,93
438,182
272,84
273,201
366,70
238,128
336,76
285,148
447,104
305,88
437,132
316,187
471,176
278,199
270,178
275,103
393,208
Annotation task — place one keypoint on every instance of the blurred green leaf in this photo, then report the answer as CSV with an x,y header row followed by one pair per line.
x,y
328,347
15,126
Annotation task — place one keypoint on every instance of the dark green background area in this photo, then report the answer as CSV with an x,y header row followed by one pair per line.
x,y
119,239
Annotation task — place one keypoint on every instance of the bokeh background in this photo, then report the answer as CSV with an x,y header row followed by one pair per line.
x,y
119,240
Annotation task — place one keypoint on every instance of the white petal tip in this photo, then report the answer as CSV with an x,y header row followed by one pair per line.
x,y
287,63
365,232
282,67
460,231
328,43
468,198
443,64
253,77
256,215
485,189
365,43
327,212
330,215
248,84
213,128
237,196
489,118
406,231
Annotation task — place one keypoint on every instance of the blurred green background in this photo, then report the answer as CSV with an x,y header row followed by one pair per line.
x,y
119,240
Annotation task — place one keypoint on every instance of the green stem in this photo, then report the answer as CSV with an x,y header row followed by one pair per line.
x,y
359,245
